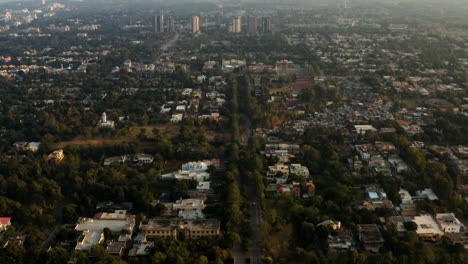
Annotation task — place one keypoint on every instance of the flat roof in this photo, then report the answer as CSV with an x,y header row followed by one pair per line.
x,y
89,239
370,233
99,225
169,224
427,225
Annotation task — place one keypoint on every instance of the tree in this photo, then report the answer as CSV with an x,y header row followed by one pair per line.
x,y
410,226
58,256
202,260
107,233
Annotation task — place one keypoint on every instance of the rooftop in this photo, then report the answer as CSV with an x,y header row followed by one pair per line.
x,y
370,233
427,225
169,224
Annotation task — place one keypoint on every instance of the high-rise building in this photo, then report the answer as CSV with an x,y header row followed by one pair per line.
x,y
158,24
43,2
195,24
154,21
170,24
266,25
237,25
252,25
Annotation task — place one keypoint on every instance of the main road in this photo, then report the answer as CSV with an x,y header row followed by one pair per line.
x,y
255,206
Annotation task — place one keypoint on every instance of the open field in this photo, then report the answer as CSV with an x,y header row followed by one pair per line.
x,y
169,129
91,142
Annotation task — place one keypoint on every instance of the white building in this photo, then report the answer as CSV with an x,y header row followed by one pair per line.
x,y
427,194
449,223
93,228
405,196
237,25
188,208
104,123
195,24
427,227
34,146
56,155
176,118
362,129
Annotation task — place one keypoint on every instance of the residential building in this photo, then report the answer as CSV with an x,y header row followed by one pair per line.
x,y
56,155
371,238
426,194
342,240
278,172
292,189
33,146
449,223
143,159
116,248
113,160
176,118
398,165
428,229
193,170
180,229
362,129
458,239
4,223
299,170
141,249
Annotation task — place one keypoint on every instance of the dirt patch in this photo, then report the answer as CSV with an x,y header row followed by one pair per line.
x,y
166,129
91,142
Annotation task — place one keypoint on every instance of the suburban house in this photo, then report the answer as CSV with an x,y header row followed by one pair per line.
x,y
278,172
343,239
428,229
299,170
5,222
193,171
143,159
33,146
371,238
449,223
362,129
56,155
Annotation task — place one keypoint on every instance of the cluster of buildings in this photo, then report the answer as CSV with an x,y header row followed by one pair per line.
x,y
118,232
430,228
159,24
457,157
198,171
379,158
139,159
195,103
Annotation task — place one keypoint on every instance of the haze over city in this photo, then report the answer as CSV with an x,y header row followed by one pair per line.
x,y
234,131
